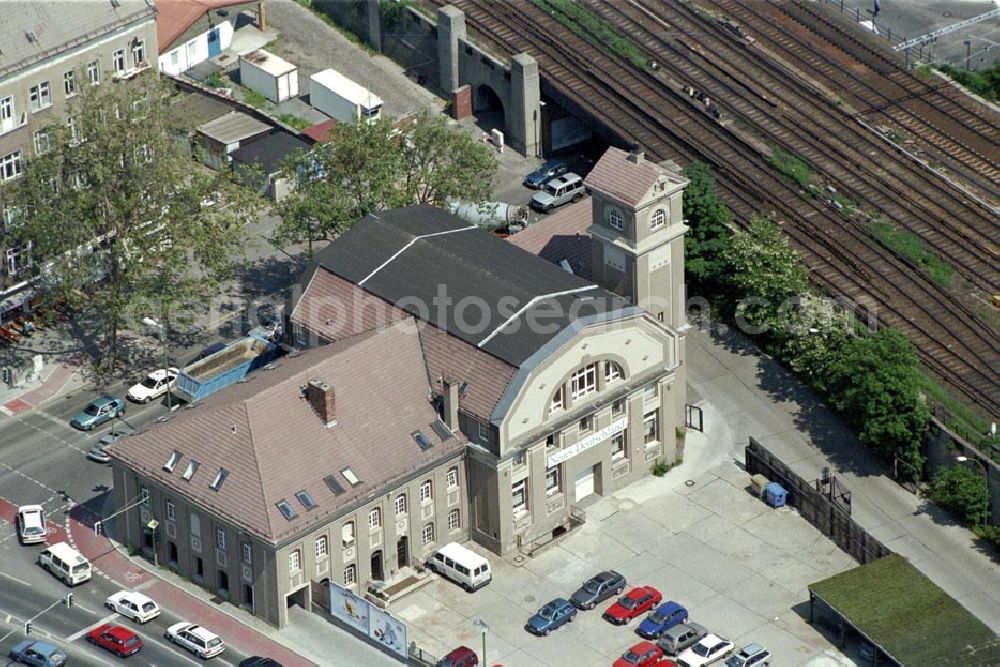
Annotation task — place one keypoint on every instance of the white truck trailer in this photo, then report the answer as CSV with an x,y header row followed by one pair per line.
x,y
343,100
271,76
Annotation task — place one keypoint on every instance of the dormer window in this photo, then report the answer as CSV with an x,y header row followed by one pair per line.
x,y
616,220
659,217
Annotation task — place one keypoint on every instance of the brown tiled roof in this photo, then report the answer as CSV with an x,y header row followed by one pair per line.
x,y
335,308
273,444
562,235
174,17
619,177
451,358
320,131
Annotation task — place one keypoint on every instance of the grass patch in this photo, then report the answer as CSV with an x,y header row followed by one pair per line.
x,y
254,99
908,245
585,23
961,419
793,166
923,71
985,83
274,43
214,80
327,19
292,120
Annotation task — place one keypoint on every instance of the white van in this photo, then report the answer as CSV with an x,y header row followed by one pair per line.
x,y
66,563
466,568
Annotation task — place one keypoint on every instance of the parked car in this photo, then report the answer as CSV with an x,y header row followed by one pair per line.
x,y
666,616
258,661
553,615
636,602
679,637
463,656
154,386
546,173
31,527
643,654
598,589
99,452
196,639
708,649
560,190
120,641
37,654
751,655
99,411
136,606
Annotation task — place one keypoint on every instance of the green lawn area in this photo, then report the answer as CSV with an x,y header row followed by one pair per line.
x,y
906,614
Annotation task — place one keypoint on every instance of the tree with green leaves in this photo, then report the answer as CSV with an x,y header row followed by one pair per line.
x,y
963,492
116,219
709,219
369,167
763,271
874,382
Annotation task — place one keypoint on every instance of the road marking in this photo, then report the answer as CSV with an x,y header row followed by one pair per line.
x,y
54,420
76,635
20,581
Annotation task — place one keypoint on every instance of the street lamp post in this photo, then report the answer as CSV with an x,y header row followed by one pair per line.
x,y
484,628
150,322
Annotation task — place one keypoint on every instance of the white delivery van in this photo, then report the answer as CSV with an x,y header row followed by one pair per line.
x,y
466,568
66,563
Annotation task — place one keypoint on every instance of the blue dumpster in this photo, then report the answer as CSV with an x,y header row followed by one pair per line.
x,y
775,495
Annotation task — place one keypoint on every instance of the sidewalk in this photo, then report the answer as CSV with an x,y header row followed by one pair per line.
x,y
757,397
57,377
239,629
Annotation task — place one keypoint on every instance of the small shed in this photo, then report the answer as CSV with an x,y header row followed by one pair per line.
x,y
267,155
271,76
227,133
904,615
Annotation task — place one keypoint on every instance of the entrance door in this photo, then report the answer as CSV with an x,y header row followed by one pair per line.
x,y
377,573
214,44
248,596
402,552
585,483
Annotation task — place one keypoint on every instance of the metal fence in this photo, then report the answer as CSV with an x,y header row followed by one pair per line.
x,y
824,503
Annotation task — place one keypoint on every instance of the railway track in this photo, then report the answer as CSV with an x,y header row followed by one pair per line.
x,y
786,113
845,260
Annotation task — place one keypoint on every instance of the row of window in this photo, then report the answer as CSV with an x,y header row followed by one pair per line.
x,y
584,382
40,95
616,220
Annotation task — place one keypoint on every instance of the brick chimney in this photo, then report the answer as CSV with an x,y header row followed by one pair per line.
x,y
323,400
636,155
451,404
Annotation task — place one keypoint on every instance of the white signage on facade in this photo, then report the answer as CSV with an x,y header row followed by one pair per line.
x,y
591,440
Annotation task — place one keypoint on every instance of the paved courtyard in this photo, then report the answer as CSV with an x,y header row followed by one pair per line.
x,y
698,535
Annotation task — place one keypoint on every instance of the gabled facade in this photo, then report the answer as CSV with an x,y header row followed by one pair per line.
x,y
49,51
192,31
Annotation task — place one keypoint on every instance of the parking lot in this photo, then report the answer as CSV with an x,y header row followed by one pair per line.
x,y
740,567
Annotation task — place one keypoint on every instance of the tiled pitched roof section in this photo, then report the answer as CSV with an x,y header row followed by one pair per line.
x,y
274,444
174,17
562,235
619,177
450,358
334,308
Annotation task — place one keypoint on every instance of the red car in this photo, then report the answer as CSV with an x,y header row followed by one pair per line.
x,y
120,641
643,654
636,602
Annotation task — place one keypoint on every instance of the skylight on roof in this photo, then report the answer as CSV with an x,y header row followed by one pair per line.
x,y
351,478
421,440
333,485
441,429
306,499
220,477
172,462
286,510
192,468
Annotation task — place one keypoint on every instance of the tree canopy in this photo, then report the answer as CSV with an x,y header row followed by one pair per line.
x,y
709,220
365,168
118,220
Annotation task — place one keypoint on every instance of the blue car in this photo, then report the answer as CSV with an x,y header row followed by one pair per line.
x,y
546,173
99,411
664,617
551,616
37,654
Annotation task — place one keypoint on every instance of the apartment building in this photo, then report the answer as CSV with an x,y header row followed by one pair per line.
x,y
49,50
328,464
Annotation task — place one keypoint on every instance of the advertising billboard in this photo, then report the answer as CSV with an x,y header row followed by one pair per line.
x,y
349,608
388,631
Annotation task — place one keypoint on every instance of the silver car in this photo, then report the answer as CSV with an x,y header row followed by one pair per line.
x,y
680,637
560,190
